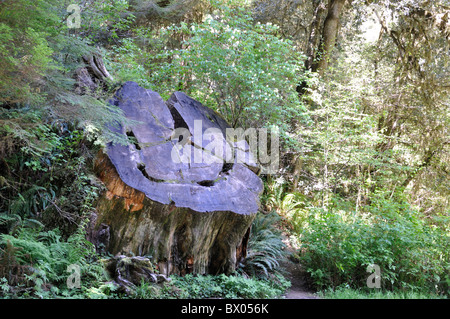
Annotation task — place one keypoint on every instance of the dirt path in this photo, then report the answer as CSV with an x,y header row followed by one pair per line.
x,y
295,274
298,289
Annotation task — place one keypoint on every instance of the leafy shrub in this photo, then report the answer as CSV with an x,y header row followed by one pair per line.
x,y
223,286
240,68
126,63
337,246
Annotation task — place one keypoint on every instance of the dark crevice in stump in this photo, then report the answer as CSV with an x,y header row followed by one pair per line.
x,y
206,183
133,139
227,167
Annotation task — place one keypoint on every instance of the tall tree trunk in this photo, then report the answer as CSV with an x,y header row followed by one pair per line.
x,y
322,37
315,33
329,34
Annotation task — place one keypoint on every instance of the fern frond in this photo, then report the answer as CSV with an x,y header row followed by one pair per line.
x,y
32,223
265,247
5,219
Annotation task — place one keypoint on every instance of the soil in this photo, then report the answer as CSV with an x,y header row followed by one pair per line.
x,y
295,274
298,289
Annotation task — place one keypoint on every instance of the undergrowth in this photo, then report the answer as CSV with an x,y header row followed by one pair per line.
x,y
349,293
44,259
228,287
342,247
265,246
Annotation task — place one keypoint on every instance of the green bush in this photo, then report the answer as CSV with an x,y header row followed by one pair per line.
x,y
337,246
234,65
230,287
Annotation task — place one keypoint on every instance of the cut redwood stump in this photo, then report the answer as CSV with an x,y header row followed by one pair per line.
x,y
177,192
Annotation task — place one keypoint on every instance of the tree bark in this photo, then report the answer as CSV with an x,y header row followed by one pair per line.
x,y
191,217
315,34
313,42
329,34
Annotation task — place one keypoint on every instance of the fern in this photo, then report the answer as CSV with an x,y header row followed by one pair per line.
x,y
30,249
12,222
10,269
265,247
32,201
49,255
7,219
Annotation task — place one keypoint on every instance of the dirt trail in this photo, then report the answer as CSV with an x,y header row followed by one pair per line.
x,y
295,274
298,289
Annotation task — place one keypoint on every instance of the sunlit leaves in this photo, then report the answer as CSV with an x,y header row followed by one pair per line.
x,y
238,67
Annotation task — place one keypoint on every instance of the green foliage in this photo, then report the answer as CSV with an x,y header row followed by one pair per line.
x,y
39,56
339,145
102,21
25,53
265,246
223,286
348,293
49,257
233,65
151,291
287,204
126,63
337,246
209,286
46,175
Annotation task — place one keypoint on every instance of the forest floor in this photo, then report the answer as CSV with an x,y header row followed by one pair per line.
x,y
298,289
295,274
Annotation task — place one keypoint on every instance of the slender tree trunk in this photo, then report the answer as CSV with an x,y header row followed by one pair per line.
x,y
360,182
315,34
329,34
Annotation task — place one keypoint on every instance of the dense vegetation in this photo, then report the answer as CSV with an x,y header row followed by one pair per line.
x,y
358,89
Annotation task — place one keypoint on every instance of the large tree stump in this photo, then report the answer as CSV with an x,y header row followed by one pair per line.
x,y
190,217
